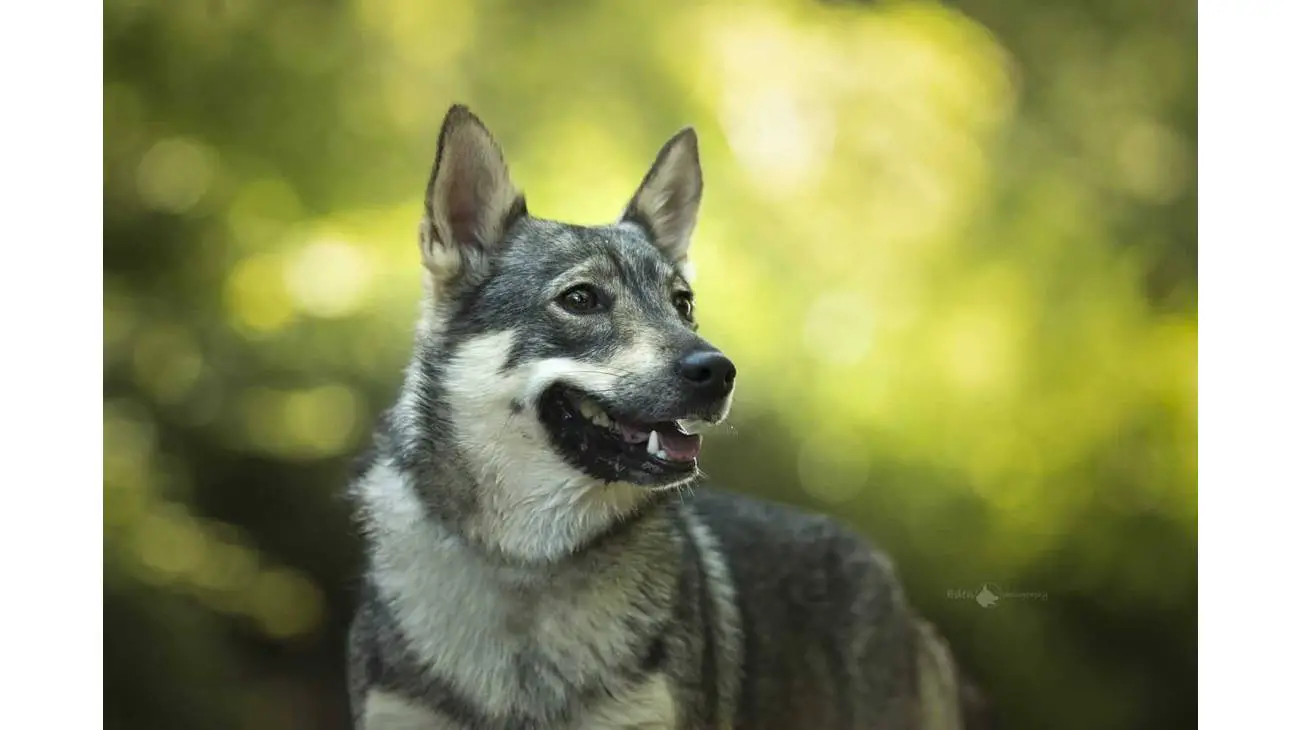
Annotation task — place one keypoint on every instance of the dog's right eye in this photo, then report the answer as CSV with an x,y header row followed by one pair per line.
x,y
581,299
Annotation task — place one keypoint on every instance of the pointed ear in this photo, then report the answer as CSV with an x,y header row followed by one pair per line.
x,y
668,201
470,200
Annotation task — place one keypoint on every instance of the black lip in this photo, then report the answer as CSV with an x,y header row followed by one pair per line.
x,y
598,451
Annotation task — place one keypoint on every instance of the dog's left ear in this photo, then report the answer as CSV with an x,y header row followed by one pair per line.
x,y
470,200
668,201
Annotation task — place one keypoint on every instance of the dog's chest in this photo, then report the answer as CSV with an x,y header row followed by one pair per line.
x,y
514,645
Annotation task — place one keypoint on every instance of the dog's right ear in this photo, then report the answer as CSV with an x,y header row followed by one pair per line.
x,y
470,201
668,200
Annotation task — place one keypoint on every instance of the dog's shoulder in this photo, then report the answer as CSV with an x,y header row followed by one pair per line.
x,y
803,566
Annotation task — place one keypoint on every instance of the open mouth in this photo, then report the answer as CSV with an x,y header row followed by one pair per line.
x,y
614,446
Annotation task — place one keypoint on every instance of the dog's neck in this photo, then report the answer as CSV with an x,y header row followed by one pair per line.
x,y
470,454
396,507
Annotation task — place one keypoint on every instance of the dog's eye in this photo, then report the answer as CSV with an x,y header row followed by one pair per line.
x,y
685,305
581,299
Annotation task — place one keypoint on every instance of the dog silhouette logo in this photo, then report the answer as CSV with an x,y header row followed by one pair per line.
x,y
987,597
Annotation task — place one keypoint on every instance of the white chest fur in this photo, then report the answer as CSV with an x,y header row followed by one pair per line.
x,y
472,623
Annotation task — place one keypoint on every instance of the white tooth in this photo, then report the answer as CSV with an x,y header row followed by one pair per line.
x,y
587,408
652,445
600,419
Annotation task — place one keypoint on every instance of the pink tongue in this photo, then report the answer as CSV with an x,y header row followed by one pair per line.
x,y
680,446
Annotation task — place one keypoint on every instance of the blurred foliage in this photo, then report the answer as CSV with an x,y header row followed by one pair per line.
x,y
951,247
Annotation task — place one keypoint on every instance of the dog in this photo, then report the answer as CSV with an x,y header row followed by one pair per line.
x,y
537,552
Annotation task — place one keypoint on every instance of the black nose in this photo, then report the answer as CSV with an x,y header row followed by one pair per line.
x,y
708,370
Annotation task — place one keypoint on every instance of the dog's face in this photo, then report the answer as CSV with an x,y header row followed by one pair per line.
x,y
575,342
606,325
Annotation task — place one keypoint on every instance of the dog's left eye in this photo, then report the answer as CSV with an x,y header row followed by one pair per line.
x,y
581,299
685,305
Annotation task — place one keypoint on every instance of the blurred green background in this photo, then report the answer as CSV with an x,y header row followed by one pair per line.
x,y
951,247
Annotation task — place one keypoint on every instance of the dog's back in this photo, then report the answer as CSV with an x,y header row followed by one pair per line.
x,y
534,557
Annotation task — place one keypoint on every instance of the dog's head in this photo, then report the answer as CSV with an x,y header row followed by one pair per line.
x,y
571,351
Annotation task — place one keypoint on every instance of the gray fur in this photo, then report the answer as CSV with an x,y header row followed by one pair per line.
x,y
510,585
